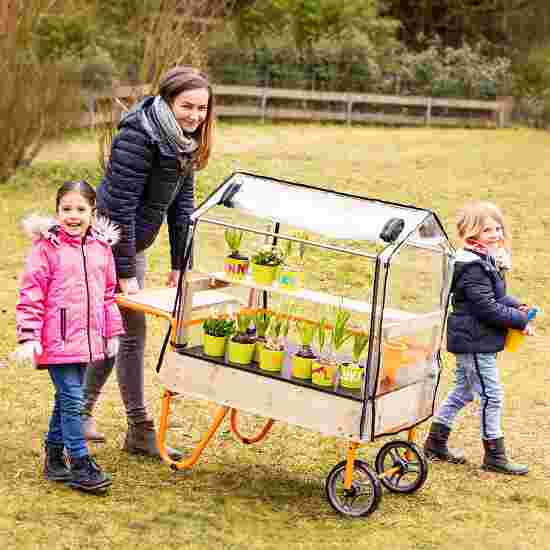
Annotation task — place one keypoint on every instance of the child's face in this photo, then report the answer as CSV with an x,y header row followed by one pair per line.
x,y
491,233
74,214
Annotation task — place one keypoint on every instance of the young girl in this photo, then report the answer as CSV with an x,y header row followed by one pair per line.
x,y
476,330
67,318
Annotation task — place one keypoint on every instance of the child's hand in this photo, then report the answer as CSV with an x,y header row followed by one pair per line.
x,y
24,353
111,346
129,286
528,330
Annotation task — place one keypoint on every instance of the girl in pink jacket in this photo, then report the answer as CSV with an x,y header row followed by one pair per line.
x,y
67,318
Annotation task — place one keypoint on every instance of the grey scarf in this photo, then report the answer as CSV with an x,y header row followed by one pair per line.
x,y
163,117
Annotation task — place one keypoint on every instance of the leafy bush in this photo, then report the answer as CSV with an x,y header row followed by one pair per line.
x,y
218,326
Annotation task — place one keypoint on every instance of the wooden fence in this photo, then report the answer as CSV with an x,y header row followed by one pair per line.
x,y
276,103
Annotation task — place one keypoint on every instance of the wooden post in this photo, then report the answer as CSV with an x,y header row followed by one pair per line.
x,y
264,103
505,110
8,16
429,111
349,109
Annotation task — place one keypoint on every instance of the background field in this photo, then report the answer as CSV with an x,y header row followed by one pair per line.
x,y
271,496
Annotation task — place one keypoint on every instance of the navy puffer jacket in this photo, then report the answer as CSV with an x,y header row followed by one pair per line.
x,y
481,311
145,182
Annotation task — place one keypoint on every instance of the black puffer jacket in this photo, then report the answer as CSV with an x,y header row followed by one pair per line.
x,y
145,183
481,311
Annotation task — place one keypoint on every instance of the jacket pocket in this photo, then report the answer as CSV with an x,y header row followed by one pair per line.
x,y
63,326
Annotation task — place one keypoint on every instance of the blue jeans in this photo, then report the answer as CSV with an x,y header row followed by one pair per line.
x,y
65,422
476,374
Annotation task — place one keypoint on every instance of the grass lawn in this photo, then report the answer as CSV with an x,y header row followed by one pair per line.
x,y
271,496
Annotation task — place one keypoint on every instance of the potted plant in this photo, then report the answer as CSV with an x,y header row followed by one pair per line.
x,y
240,348
291,273
323,370
265,263
216,330
261,322
351,374
273,353
235,265
303,358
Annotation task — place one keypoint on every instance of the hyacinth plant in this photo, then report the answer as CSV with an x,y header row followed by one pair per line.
x,y
277,331
340,334
360,343
233,238
306,332
244,320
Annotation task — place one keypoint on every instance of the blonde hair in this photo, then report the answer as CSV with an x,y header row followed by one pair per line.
x,y
180,79
473,216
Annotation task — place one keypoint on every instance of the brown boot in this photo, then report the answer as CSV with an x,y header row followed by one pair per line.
x,y
90,430
141,439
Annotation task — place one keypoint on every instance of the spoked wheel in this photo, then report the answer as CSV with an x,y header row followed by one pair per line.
x,y
401,466
364,495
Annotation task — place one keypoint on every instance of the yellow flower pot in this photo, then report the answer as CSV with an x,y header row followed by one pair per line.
x,y
271,360
291,279
259,346
264,274
214,346
301,367
236,268
323,374
240,353
351,376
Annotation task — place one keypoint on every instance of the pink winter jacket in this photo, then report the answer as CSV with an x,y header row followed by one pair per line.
x,y
67,293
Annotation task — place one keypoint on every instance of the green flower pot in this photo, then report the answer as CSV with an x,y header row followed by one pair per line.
x,y
257,350
264,274
240,353
351,376
236,268
291,279
271,360
323,374
301,367
214,346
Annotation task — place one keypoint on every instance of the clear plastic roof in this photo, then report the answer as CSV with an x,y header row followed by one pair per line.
x,y
325,212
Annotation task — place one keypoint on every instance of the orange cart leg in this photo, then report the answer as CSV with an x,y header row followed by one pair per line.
x,y
163,425
247,440
411,438
348,476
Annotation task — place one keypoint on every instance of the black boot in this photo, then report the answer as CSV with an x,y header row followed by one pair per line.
x,y
55,465
495,459
87,476
435,445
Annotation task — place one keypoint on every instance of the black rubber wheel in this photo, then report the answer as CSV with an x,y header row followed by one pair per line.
x,y
364,495
411,464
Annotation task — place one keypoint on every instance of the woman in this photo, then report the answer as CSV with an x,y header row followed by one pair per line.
x,y
150,177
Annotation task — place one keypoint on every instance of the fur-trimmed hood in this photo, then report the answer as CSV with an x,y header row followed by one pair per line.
x,y
38,226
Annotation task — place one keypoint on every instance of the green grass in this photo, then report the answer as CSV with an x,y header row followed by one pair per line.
x,y
271,495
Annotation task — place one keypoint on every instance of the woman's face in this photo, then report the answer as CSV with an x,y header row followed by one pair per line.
x,y
190,108
74,214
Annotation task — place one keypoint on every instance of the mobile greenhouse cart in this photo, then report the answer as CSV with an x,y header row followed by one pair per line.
x,y
385,267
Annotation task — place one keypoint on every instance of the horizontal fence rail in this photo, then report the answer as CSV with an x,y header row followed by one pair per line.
x,y
348,107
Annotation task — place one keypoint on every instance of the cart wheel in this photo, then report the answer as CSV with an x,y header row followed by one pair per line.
x,y
409,465
364,495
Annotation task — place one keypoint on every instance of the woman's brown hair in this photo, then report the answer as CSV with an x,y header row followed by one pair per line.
x,y
182,78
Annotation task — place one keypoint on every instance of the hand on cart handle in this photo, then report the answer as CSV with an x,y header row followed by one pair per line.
x,y
173,278
129,286
25,353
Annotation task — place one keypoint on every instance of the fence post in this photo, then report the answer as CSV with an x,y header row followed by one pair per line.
x,y
264,103
505,110
348,110
429,112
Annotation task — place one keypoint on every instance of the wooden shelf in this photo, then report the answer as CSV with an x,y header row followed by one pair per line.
x,y
390,315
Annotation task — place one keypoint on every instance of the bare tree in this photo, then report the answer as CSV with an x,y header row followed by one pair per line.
x,y
173,34
39,98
